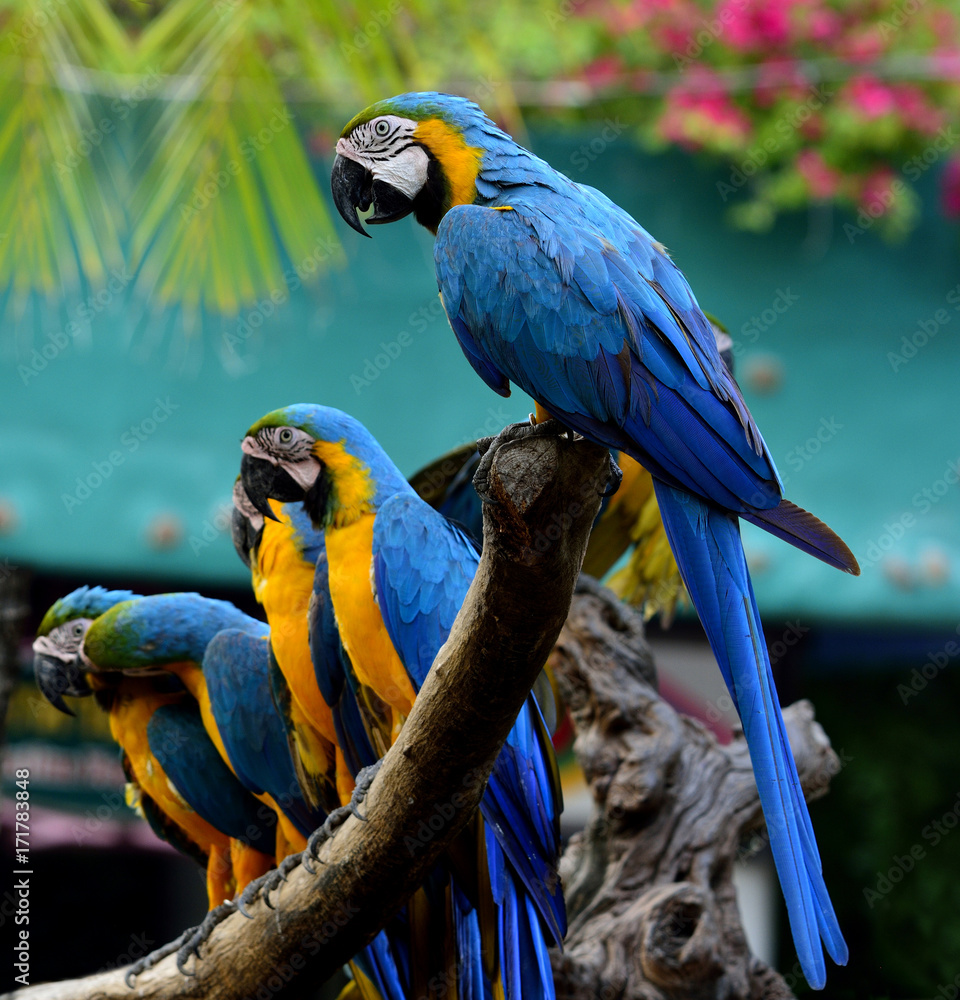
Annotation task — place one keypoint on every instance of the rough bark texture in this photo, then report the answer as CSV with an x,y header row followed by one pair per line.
x,y
651,904
500,640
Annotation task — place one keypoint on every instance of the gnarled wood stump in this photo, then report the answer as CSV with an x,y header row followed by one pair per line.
x,y
651,903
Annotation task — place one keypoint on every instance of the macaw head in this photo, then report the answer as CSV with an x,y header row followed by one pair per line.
x,y
417,153
320,457
57,663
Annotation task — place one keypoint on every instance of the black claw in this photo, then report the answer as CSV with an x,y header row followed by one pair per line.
x,y
200,934
242,902
155,957
364,781
273,879
615,474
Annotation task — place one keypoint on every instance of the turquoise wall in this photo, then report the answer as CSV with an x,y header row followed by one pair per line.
x,y
148,416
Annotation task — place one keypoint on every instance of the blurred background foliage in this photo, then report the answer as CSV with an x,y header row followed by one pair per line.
x,y
149,112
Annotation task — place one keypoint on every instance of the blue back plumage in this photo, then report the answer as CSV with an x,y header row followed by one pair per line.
x,y
180,744
423,567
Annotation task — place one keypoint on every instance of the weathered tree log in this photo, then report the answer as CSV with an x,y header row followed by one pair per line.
x,y
509,622
651,904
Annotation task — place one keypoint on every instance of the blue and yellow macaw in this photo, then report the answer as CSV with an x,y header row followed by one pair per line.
x,y
287,558
221,657
225,746
550,285
397,574
176,779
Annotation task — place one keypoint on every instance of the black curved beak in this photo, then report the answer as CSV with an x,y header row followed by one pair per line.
x,y
55,678
264,481
352,188
246,538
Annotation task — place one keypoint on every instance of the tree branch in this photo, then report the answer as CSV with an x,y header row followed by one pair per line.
x,y
546,491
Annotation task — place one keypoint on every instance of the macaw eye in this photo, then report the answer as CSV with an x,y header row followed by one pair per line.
x,y
78,630
285,436
382,127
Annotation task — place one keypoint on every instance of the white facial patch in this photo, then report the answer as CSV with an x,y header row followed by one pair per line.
x,y
385,146
287,447
407,172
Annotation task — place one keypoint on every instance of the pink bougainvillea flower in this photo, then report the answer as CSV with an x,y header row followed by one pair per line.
x,y
779,78
822,180
861,45
820,24
757,25
870,96
697,119
603,72
681,30
950,189
912,104
945,61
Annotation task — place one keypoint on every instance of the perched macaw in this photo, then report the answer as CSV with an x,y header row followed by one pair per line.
x,y
176,779
221,657
288,562
550,285
225,728
398,573
287,558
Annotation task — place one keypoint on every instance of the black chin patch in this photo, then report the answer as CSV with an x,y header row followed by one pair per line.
x,y
316,499
428,206
389,204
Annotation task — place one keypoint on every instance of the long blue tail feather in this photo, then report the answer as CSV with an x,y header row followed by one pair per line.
x,y
706,542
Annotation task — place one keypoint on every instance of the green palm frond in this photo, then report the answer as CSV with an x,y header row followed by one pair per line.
x,y
224,190
204,183
57,226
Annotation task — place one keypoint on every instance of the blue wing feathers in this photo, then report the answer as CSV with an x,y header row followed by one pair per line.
x,y
181,746
423,566
236,667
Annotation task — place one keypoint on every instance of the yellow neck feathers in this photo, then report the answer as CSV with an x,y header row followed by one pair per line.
x,y
460,163
350,480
